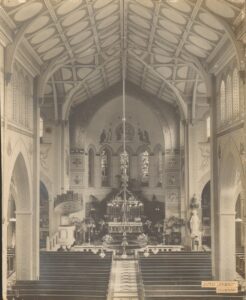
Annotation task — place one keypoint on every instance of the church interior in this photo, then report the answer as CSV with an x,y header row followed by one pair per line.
x,y
123,142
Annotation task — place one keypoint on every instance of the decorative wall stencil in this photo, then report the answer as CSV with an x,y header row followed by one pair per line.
x,y
172,196
172,179
130,132
76,179
9,148
76,162
44,155
172,162
205,154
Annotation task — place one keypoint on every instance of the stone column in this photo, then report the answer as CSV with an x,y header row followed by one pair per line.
x,y
214,181
227,257
25,258
187,238
36,184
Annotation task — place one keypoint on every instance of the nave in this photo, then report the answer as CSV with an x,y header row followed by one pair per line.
x,y
123,142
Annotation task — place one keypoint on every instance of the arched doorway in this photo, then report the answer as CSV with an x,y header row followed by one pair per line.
x,y
20,213
206,215
44,215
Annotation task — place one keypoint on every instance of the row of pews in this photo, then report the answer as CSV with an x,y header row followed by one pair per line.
x,y
67,276
178,276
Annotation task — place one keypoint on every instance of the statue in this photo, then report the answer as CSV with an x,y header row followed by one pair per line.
x,y
194,224
103,136
195,231
146,137
109,135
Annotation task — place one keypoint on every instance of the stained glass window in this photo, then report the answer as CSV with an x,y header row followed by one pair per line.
x,y
124,163
91,167
105,167
235,80
144,163
222,102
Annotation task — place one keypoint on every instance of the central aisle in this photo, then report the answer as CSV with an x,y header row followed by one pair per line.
x,y
125,285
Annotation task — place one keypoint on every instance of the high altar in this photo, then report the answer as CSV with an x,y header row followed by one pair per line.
x,y
125,216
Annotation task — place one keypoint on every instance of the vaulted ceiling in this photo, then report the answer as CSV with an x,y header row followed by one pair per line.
x,y
169,44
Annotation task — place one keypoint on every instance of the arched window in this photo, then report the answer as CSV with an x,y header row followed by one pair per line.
x,y
144,167
105,167
228,98
41,127
91,167
222,102
235,90
124,162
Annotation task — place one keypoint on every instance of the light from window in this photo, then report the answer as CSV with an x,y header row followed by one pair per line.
x,y
208,127
144,158
41,127
105,167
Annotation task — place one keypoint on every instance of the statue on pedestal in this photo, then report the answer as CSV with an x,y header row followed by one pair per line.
x,y
195,224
